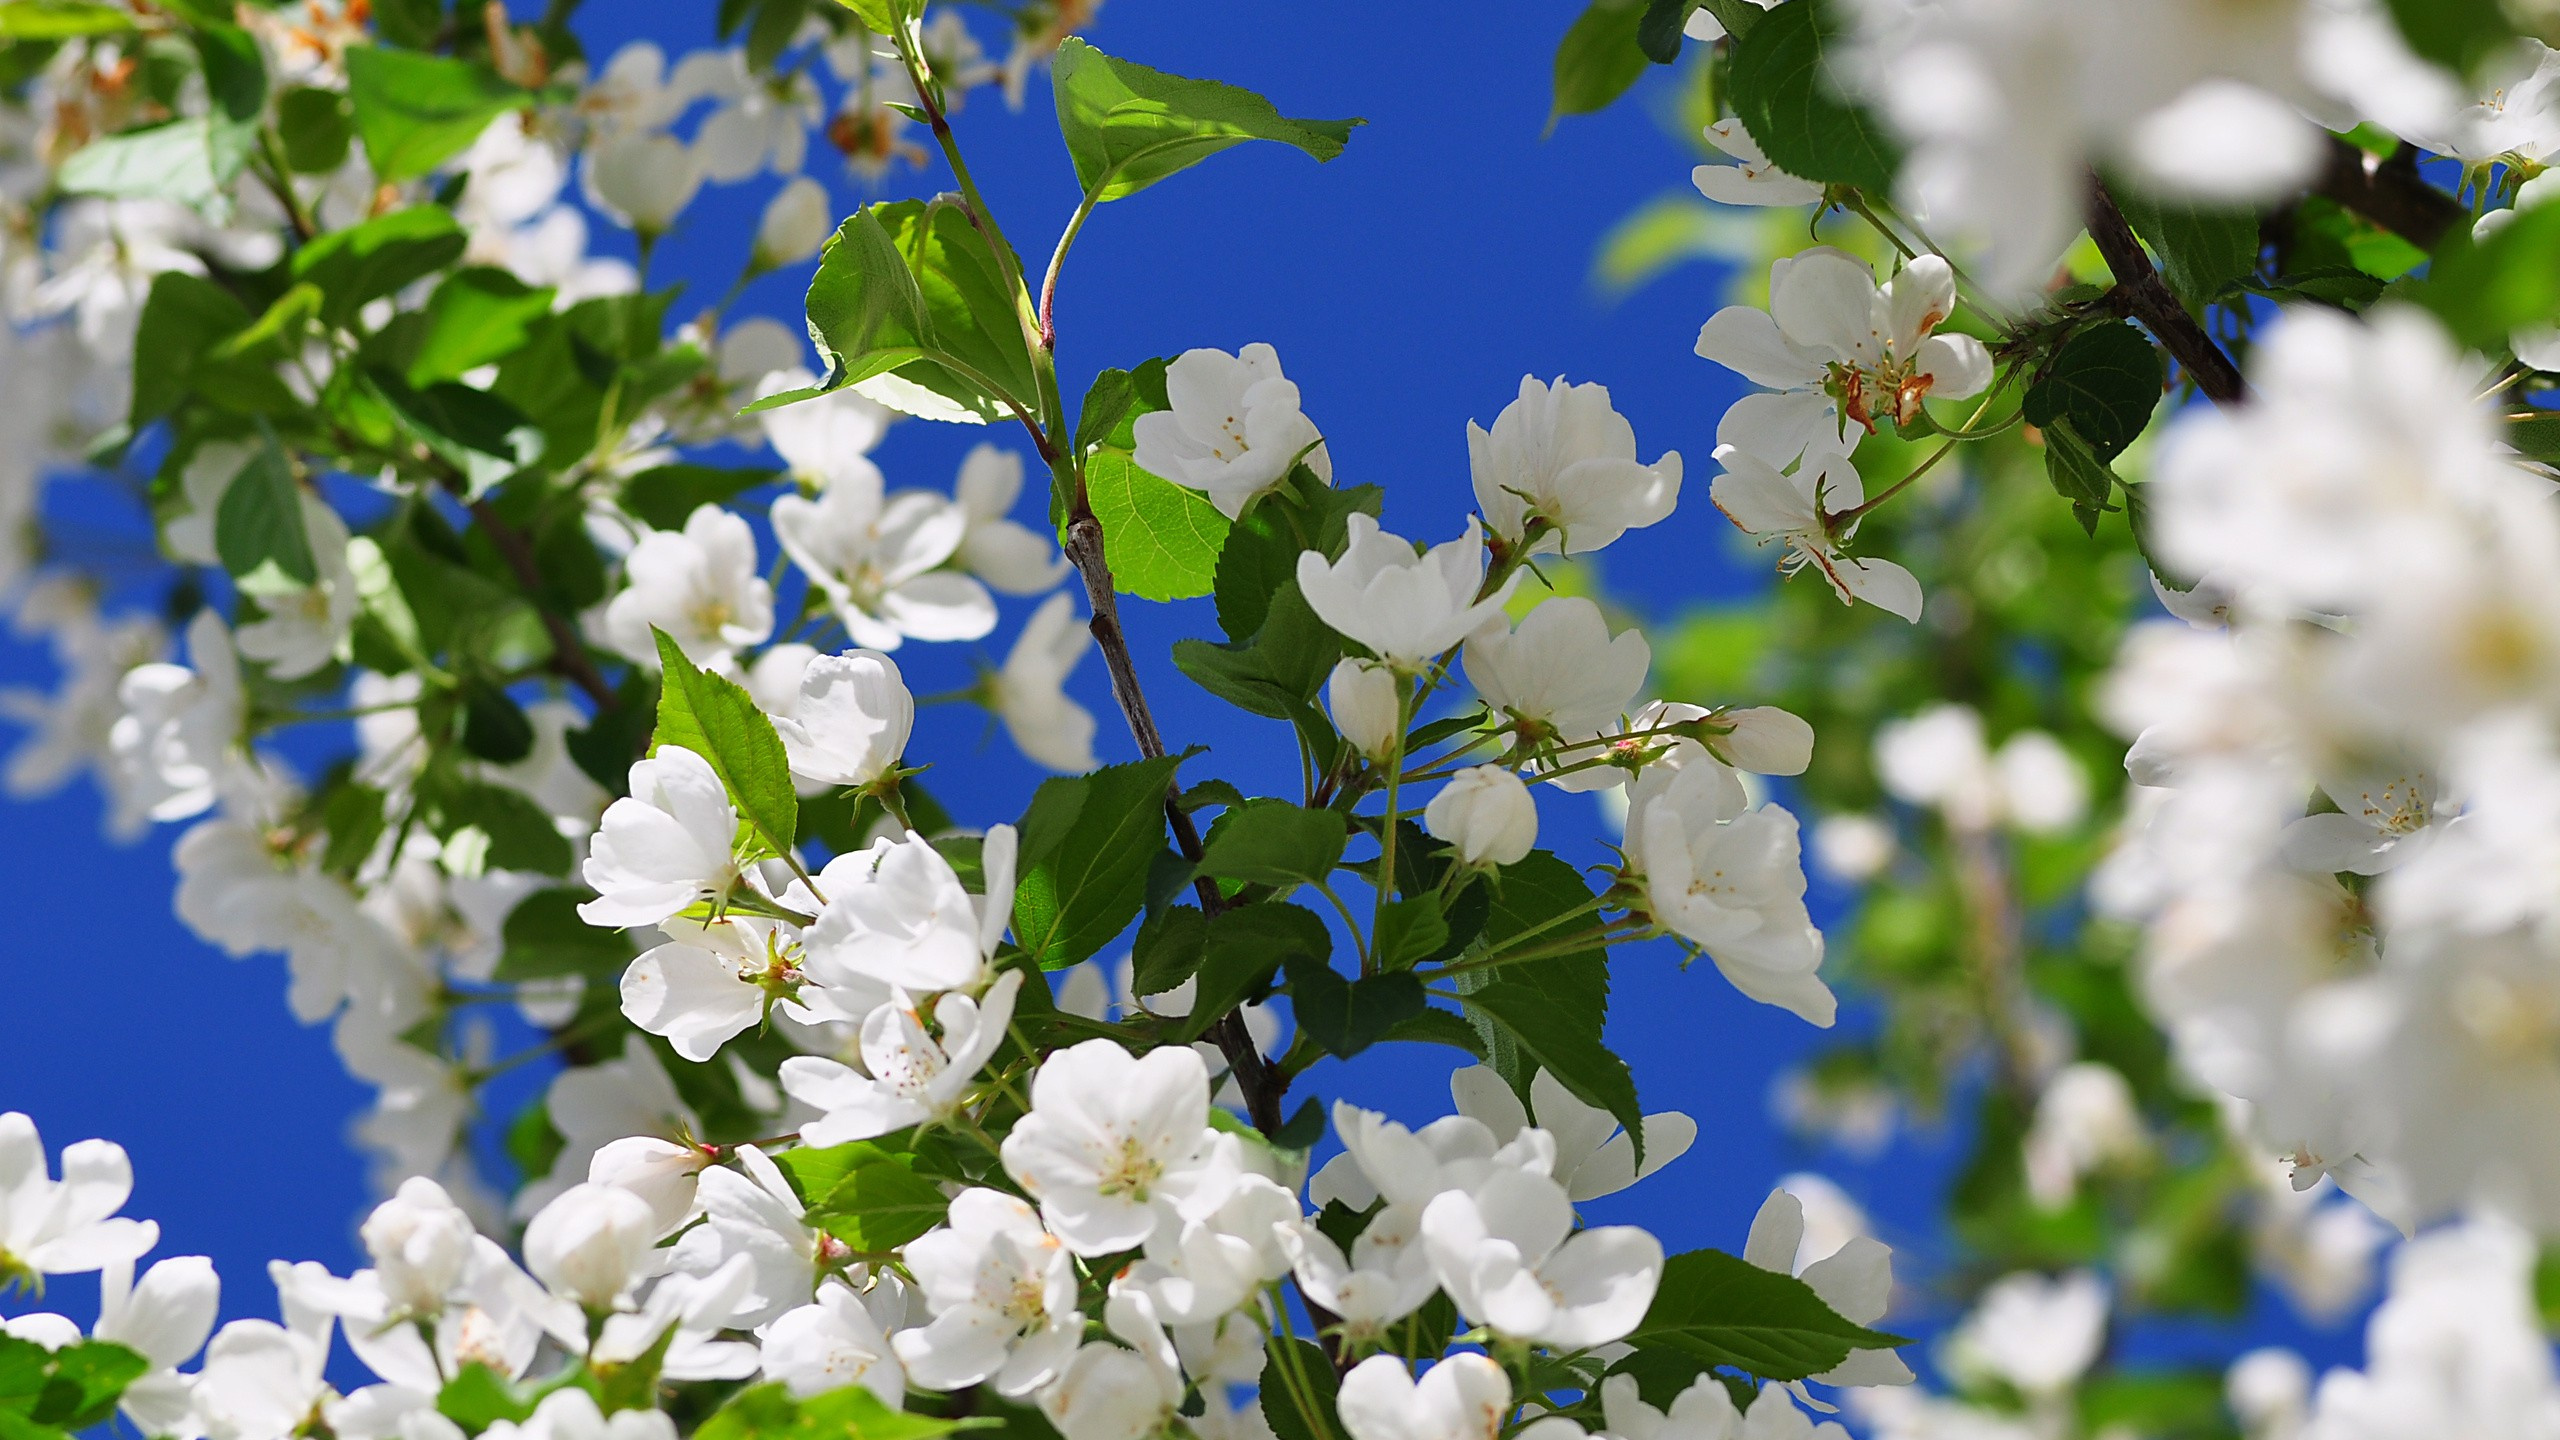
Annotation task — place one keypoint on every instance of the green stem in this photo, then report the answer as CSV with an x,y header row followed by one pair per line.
x,y
1387,833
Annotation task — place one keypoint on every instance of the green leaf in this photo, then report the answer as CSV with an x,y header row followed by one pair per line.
x,y
666,496
1348,1016
2202,250
1247,946
2457,34
2536,437
1440,1027
481,435
1162,539
478,1397
1784,92
184,317
767,1412
1598,60
494,727
2078,475
1128,126
879,1202
415,112
1662,30
60,20
717,720
317,127
544,936
521,833
380,257
1113,403
477,317
83,1383
1272,842
1566,1045
2106,380
1728,1311
2486,290
1550,1013
1409,932
1296,1375
777,21
354,819
1087,841
259,521
190,162
235,72
880,17
1170,946
1252,567
910,306
1278,671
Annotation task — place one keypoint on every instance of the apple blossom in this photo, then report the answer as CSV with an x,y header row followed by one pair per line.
x,y
1463,1397
1109,1135
1800,510
699,585
1560,461
797,220
897,915
831,1343
1005,553
1729,879
1507,1254
1406,607
915,1077
1750,179
665,845
1029,693
1233,429
1486,815
879,559
1593,1157
851,719
67,1226
1560,672
1362,699
1002,1290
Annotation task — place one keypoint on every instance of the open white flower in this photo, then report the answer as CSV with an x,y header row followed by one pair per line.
x,y
1839,350
1560,671
709,981
1029,694
2385,815
1233,429
1798,509
1406,607
1109,1135
1750,179
1730,879
1003,1294
751,1213
261,1380
1204,1266
1593,1157
915,1076
1007,554
166,1318
67,1226
851,719
1462,1397
1563,460
879,559
2035,1333
1704,1411
825,438
1507,1254
665,845
1382,1159
698,584
303,627
896,915
1385,1278
831,1343
175,744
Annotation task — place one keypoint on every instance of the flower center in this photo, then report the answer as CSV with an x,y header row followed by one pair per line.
x,y
1132,1172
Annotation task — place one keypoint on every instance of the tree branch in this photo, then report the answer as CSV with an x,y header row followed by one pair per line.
x,y
2390,193
2139,289
568,651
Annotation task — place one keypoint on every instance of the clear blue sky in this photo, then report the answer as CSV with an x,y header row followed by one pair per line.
x,y
1408,286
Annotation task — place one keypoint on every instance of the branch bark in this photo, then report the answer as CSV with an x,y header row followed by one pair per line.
x,y
2144,296
568,651
2391,193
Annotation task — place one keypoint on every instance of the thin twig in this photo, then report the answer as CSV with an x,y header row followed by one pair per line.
x,y
2390,193
568,651
2148,300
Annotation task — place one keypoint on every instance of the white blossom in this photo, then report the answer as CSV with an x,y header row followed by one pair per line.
x,y
1108,1136
1029,693
665,845
699,585
1486,815
1562,460
1233,429
1002,1290
1800,510
1405,606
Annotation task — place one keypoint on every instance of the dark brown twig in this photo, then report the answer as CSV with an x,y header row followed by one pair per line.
x,y
568,652
2147,299
2390,193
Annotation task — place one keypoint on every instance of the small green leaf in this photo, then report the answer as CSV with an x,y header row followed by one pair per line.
x,y
1128,126
477,317
545,936
184,317
1278,671
61,20
83,1383
1409,932
777,22
415,112
717,720
521,833
1272,842
259,521
1162,539
1292,1383
2106,380
494,727
317,127
1087,842
235,72
1728,1311
354,819
1664,26
190,162
1247,946
1170,946
666,496
1348,1016
2202,250
767,1412
478,1397
2486,290
380,257
2078,475
1784,91
1598,60
879,1203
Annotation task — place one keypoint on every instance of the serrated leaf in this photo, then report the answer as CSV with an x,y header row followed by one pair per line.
x,y
2106,380
1784,91
910,306
1247,946
188,162
380,257
1409,932
259,520
1170,946
1278,671
1272,842
2078,475
1348,1016
1087,842
1298,1388
1598,60
1128,126
2202,250
414,112
719,721
1162,540
1727,1311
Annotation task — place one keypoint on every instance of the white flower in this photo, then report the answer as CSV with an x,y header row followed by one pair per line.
x,y
1704,1411
1362,698
1199,1271
1386,1277
1003,1294
896,915
826,438
762,121
851,719
2038,1334
1233,429
2384,816
303,627
1731,880
1592,1156
1938,758
1764,740
707,983
699,585
1107,1393
915,1076
1406,607
1560,671
261,1380
1464,1396
1007,554
1502,1252
1839,350
1560,459
593,1106
572,1414
1485,813
2457,1349
644,179
1751,179
421,1243
1029,694
878,557
593,1245
2085,1119
1383,1160
1853,1275
663,846
1109,1135
166,1319
1798,510
662,1173
752,1213
174,746
67,1226
833,1343
797,221
73,727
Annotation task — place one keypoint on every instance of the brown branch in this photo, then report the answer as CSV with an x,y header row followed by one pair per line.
x,y
2147,299
2390,193
568,652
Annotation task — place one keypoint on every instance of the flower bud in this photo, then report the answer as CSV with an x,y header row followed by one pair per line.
x,y
645,178
420,1242
851,719
1765,741
592,1244
1487,814
795,224
1365,706
660,1172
